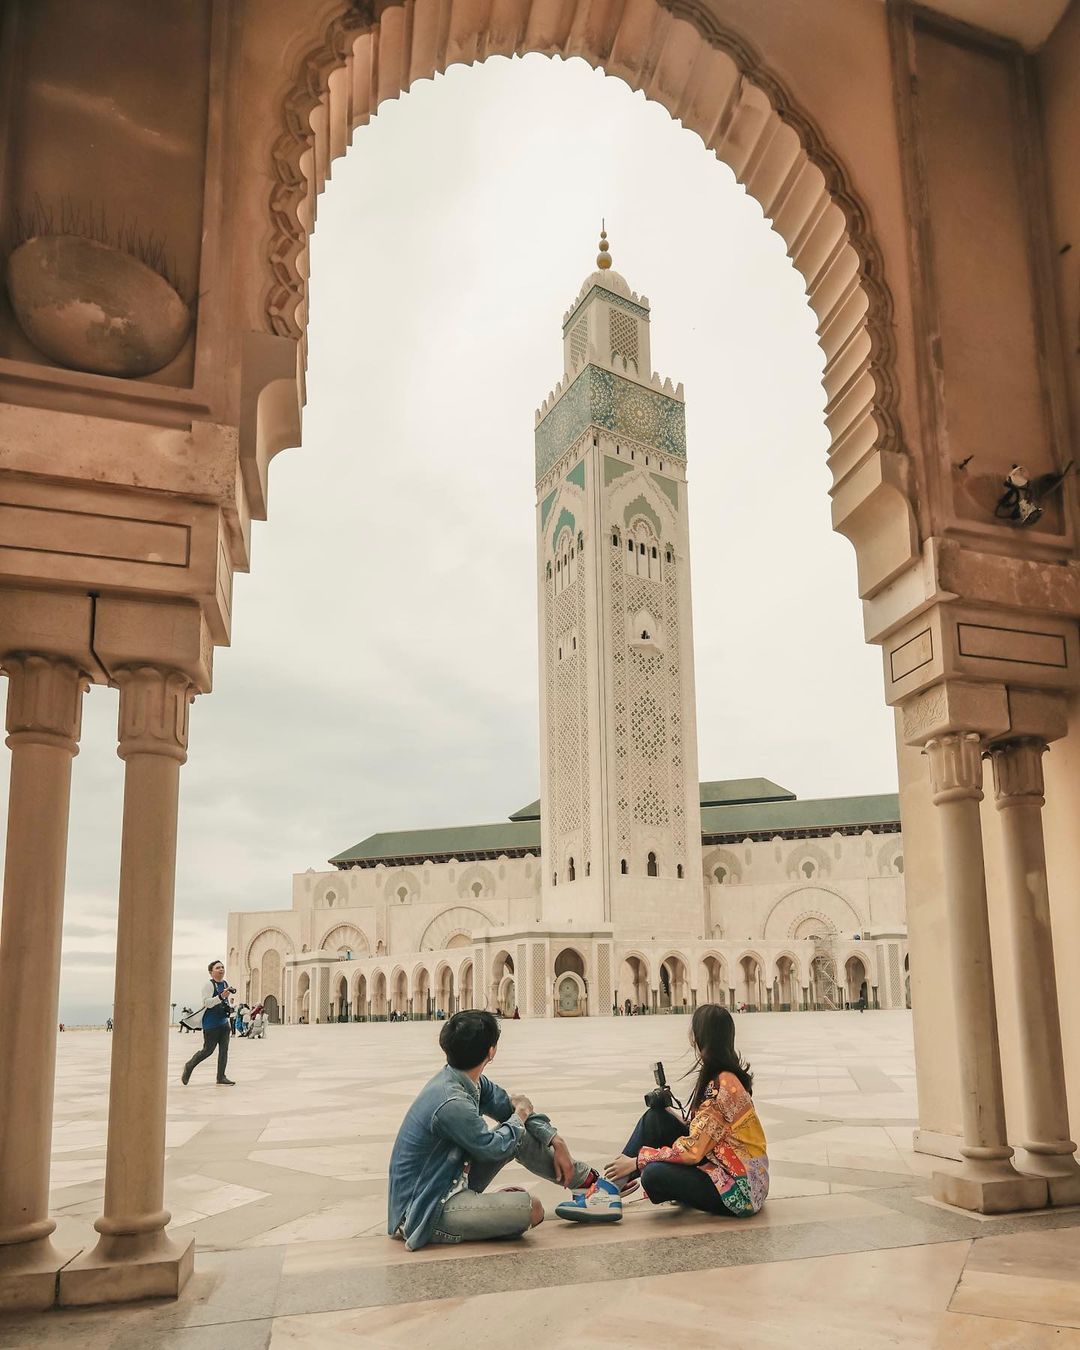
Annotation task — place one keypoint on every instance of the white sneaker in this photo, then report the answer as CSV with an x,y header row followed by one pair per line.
x,y
601,1203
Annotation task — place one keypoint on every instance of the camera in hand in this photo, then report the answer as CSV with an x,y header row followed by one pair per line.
x,y
660,1095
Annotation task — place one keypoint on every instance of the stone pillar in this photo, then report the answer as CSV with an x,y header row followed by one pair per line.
x,y
1019,797
134,1257
44,707
987,1181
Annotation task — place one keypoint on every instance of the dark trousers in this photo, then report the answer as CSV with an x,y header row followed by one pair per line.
x,y
214,1038
662,1181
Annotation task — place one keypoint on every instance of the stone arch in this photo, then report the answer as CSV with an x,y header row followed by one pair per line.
x,y
473,877
359,994
724,861
634,979
330,892
713,82
715,979
890,857
673,981
459,921
810,901
401,880
345,937
806,855
811,923
263,941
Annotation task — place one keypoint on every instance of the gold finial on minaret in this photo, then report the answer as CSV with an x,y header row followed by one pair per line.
x,y
603,261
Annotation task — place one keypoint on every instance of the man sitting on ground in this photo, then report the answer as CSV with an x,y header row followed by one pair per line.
x,y
446,1155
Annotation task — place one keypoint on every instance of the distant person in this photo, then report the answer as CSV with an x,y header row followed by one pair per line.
x,y
516,1017
108,1024
257,1024
628,1008
212,1016
446,1155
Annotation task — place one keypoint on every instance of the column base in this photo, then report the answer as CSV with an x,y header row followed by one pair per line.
x,y
28,1275
125,1269
1064,1190
1000,1194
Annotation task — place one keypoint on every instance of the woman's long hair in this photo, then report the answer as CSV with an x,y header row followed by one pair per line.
x,y
712,1035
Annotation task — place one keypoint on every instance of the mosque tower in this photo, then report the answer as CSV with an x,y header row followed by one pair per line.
x,y
620,815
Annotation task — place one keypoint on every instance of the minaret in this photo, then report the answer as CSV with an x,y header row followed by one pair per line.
x,y
620,817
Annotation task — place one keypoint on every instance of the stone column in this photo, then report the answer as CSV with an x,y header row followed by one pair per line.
x,y
134,1257
1018,793
44,707
987,1181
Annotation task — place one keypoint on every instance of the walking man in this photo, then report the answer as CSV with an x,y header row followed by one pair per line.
x,y
213,1016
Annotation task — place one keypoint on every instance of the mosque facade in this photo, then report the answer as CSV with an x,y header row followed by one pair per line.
x,y
629,882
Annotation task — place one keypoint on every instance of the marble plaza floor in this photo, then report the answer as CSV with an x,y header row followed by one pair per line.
x,y
282,1179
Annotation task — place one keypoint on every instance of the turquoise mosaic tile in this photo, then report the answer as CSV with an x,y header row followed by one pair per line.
x,y
565,518
545,508
577,474
614,468
604,399
640,507
668,488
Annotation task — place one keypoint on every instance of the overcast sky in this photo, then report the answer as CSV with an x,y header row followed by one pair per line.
x,y
383,667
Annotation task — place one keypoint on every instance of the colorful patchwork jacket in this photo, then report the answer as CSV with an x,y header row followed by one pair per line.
x,y
727,1142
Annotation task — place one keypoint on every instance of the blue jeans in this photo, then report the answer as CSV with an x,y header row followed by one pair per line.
x,y
661,1181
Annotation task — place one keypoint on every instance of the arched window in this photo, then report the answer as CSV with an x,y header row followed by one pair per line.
x,y
629,546
652,867
588,868
720,874
614,539
678,872
654,553
641,549
571,873
554,878
580,540
808,869
623,867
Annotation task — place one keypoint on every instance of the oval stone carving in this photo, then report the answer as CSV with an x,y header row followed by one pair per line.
x,y
94,308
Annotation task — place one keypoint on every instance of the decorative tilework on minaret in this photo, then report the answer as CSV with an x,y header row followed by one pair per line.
x,y
620,817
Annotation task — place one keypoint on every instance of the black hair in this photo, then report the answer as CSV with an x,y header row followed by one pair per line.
x,y
712,1034
215,963
467,1037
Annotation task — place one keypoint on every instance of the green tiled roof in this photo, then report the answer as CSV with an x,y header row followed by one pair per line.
x,y
824,813
460,841
736,807
724,792
729,791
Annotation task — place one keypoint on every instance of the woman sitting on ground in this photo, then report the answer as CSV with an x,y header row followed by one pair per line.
x,y
720,1166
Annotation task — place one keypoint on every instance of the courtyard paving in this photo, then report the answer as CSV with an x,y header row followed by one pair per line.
x,y
282,1181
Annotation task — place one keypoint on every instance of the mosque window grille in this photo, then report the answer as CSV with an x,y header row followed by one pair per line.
x,y
579,341
652,866
623,331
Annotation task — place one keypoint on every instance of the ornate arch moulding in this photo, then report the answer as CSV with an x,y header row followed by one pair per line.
x,y
715,84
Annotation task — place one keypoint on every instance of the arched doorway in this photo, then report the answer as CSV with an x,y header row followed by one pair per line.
x,y
379,1008
503,991
571,988
270,1007
421,999
339,1008
715,983
674,992
856,979
786,993
634,982
751,983
399,995
465,980
360,998
303,998
444,991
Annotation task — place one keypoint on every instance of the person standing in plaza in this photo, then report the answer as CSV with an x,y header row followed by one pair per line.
x,y
213,1016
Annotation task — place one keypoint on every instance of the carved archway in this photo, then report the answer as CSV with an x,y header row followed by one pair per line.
x,y
715,84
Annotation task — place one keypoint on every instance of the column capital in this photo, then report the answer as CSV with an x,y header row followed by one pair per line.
x,y
154,705
955,707
44,703
956,772
1018,772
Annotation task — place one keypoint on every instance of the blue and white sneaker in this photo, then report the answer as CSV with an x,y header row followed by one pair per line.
x,y
601,1203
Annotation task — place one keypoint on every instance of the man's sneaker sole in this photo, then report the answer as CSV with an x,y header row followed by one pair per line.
x,y
576,1214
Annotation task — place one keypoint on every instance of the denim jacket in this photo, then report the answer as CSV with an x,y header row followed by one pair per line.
x,y
442,1131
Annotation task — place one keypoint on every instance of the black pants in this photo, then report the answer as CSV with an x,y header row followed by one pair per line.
x,y
213,1038
662,1181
